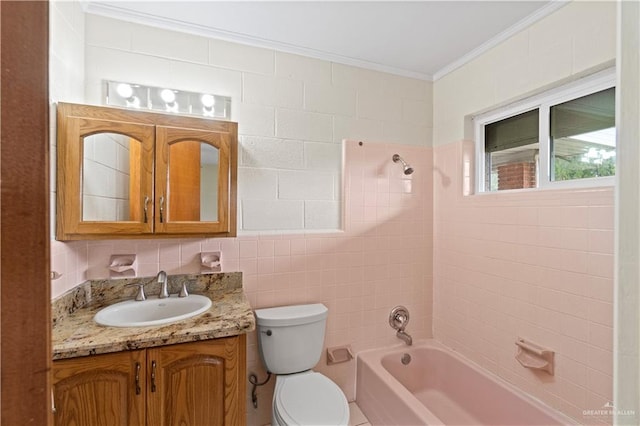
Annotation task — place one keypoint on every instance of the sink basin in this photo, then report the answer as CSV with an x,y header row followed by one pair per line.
x,y
153,311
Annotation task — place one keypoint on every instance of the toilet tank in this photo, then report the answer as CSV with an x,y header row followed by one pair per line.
x,y
291,338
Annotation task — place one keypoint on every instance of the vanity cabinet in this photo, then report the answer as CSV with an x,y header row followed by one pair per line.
x,y
199,384
136,174
100,390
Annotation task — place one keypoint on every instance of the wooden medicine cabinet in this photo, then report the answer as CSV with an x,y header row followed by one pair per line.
x,y
136,174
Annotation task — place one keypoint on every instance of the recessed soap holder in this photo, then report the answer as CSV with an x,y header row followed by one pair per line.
x,y
123,266
534,356
210,262
339,354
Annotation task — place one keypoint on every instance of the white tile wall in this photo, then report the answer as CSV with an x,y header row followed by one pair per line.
x,y
110,64
329,99
376,105
296,124
272,214
241,58
297,67
293,111
300,185
257,184
200,78
173,45
577,37
322,215
254,119
322,156
271,153
66,83
356,128
110,33
267,90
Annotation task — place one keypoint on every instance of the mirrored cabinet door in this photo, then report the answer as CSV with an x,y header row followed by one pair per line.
x,y
192,178
135,174
105,178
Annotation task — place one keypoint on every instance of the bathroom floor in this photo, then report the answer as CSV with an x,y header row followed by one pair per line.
x,y
356,417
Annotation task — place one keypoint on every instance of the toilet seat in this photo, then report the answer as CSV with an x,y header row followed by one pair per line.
x,y
309,399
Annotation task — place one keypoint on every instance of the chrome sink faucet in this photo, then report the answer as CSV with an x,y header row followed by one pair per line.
x,y
162,280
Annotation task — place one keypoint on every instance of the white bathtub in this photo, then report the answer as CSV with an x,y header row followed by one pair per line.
x,y
440,387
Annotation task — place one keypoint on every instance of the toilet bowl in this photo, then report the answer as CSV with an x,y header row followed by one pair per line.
x,y
291,339
308,398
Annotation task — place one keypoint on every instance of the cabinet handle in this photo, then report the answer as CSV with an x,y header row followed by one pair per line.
x,y
161,208
153,376
138,378
146,202
53,403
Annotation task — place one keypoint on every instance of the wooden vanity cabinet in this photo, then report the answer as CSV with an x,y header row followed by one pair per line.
x,y
100,390
199,384
136,174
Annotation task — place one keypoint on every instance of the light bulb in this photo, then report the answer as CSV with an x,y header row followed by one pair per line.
x,y
208,100
168,96
125,90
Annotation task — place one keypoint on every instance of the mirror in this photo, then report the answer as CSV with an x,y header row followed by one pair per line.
x,y
109,161
193,182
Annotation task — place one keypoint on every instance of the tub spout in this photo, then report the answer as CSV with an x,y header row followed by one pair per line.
x,y
402,335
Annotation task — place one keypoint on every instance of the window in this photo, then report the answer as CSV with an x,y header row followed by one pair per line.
x,y
564,137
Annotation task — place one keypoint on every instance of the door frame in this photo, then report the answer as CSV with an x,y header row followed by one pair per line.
x,y
25,296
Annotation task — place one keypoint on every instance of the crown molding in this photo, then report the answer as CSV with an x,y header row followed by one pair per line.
x,y
538,15
115,12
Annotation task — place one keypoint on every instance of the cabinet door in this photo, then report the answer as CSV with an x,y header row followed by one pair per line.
x,y
193,181
105,173
101,390
198,384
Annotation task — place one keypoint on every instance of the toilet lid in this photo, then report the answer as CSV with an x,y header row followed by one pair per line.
x,y
311,399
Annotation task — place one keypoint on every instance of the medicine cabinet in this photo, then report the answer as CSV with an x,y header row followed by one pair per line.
x,y
135,174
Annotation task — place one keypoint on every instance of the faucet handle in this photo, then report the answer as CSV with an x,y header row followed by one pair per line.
x,y
398,318
183,291
140,296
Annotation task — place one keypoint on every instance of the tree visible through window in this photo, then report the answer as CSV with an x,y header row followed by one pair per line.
x,y
583,137
564,135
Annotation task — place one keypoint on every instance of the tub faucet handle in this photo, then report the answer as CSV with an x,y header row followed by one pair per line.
x,y
399,318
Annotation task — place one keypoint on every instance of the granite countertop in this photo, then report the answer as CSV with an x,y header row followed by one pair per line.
x,y
76,334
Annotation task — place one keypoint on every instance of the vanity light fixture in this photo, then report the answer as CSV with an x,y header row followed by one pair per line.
x,y
127,93
208,102
165,99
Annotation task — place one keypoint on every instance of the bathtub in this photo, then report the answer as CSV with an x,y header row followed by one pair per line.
x,y
440,387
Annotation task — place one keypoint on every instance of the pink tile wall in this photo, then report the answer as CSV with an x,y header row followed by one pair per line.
x,y
536,264
382,259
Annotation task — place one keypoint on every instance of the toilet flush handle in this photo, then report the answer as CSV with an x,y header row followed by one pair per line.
x,y
268,332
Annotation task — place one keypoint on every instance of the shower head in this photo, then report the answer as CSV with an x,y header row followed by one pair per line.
x,y
407,168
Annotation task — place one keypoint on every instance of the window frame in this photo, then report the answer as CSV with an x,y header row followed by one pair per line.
x,y
543,102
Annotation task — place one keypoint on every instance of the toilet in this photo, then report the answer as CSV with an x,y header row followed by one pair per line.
x,y
290,341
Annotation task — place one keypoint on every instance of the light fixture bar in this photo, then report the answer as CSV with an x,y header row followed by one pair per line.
x,y
138,96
